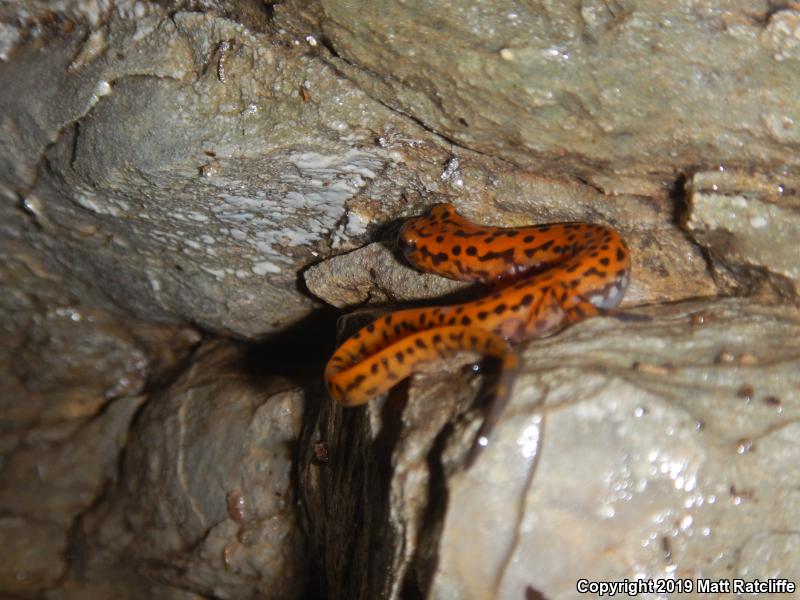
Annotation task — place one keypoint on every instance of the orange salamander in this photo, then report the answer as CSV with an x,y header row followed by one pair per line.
x,y
545,277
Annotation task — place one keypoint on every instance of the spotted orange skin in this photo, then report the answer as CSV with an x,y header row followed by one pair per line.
x,y
545,277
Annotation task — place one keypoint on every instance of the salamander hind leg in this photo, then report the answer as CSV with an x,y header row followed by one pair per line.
x,y
500,389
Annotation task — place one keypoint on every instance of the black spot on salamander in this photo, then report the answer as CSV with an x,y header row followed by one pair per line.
x,y
357,381
563,296
573,267
356,335
371,327
400,357
604,247
540,248
465,320
482,315
459,310
507,256
456,250
500,309
374,368
588,234
410,350
422,318
490,239
471,250
388,319
604,261
512,233
385,335
451,321
439,239
528,239
385,362
419,343
574,283
571,237
543,228
526,300
437,339
439,258
594,254
620,273
473,341
620,255
593,271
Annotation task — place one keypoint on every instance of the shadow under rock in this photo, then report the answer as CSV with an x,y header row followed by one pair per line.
x,y
298,352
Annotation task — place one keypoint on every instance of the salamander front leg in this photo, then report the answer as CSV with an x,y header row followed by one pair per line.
x,y
582,309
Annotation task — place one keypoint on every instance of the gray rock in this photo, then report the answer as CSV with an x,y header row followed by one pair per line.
x,y
188,185
659,449
640,89
212,163
748,221
205,500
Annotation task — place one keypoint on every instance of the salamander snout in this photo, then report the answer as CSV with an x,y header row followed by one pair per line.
x,y
408,239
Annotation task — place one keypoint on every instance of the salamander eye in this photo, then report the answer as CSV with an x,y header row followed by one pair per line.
x,y
407,244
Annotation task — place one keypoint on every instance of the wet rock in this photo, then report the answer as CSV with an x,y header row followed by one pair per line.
x,y
748,221
666,265
588,88
657,449
205,500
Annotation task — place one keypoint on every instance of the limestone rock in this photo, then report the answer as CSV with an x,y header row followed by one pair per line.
x,y
205,499
655,449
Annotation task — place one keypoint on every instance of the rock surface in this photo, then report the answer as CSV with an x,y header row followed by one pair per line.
x,y
606,90
176,172
748,222
630,450
204,501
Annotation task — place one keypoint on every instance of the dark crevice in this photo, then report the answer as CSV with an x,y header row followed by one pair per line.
x,y
422,567
328,45
679,198
296,352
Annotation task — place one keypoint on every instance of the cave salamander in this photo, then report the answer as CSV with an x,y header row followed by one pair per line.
x,y
543,277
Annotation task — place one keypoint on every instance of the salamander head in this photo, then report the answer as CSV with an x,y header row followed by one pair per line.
x,y
416,234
